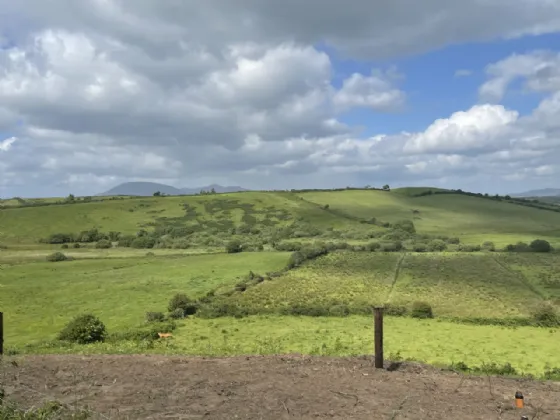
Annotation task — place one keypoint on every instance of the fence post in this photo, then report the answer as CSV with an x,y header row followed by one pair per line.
x,y
1,333
378,335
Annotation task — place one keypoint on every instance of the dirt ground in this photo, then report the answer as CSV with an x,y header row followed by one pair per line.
x,y
281,387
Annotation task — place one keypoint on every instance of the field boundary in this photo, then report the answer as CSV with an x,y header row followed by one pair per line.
x,y
395,277
523,280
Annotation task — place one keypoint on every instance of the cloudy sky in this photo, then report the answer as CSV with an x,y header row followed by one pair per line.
x,y
279,94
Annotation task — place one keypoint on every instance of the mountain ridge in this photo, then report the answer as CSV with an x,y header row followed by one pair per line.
x,y
145,189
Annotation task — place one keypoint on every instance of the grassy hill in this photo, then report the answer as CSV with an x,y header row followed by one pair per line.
x,y
472,219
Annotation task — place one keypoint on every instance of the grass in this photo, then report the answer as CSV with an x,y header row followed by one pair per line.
x,y
529,350
39,298
27,225
473,219
456,285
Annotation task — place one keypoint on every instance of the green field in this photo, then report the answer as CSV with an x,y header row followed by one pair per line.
x,y
472,219
355,232
38,298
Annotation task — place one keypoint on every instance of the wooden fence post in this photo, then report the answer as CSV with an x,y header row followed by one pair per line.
x,y
378,327
1,333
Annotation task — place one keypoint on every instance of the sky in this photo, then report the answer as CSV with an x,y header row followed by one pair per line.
x,y
279,95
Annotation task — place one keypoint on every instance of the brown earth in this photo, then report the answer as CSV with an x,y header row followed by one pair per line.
x,y
280,387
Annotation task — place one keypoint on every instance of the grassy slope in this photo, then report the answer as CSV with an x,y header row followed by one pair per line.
x,y
456,285
472,219
26,225
39,298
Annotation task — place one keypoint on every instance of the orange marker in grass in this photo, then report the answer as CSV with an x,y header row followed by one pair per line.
x,y
519,403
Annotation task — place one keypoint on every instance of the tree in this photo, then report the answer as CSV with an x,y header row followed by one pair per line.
x,y
212,191
540,245
386,187
70,198
234,246
157,194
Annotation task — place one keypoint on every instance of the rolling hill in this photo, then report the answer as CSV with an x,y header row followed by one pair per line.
x,y
546,192
473,219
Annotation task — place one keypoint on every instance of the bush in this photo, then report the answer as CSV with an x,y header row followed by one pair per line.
x,y
453,241
339,310
540,245
518,247
234,247
546,316
489,246
182,301
143,242
177,313
468,248
420,247
126,241
391,246
103,244
421,310
76,246
437,245
155,317
56,257
405,225
373,246
83,329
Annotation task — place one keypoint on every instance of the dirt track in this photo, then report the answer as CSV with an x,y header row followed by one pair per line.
x,y
155,387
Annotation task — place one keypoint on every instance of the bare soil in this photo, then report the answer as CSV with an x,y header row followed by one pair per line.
x,y
280,387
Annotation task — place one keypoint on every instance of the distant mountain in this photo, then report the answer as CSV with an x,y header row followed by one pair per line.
x,y
145,189
546,192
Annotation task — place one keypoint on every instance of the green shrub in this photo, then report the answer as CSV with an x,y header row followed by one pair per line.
x,y
234,246
372,246
143,242
540,245
339,310
126,241
182,301
405,225
103,244
155,317
395,310
518,247
57,257
60,238
391,246
489,246
76,246
468,248
287,246
177,313
2,246
64,246
420,247
437,245
83,329
546,316
421,310
453,241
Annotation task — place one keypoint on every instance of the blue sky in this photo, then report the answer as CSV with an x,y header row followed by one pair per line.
x,y
94,96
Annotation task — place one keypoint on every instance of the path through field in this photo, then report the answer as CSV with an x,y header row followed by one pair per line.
x,y
280,387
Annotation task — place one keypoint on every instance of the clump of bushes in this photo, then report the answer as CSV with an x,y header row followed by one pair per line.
x,y
488,246
183,302
155,317
305,254
57,257
76,245
84,329
437,245
421,310
546,316
103,244
234,246
468,248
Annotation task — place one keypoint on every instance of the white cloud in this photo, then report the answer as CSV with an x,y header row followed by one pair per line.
x,y
481,127
540,70
375,91
6,144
